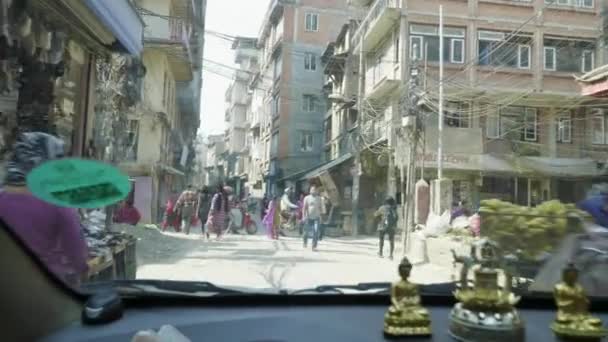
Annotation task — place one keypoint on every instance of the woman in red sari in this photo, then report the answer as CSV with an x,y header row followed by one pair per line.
x,y
127,213
172,217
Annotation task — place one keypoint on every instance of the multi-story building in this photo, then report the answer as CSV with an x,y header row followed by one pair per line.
x,y
516,125
213,168
163,130
238,105
287,100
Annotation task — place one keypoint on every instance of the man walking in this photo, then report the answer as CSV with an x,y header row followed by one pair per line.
x,y
188,203
311,215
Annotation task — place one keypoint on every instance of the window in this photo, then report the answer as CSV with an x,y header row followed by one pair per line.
x,y
493,126
498,49
312,22
598,124
587,61
416,47
306,142
276,106
564,128
308,103
274,144
277,68
131,140
524,53
310,61
573,3
530,124
549,58
457,114
569,55
519,123
426,37
457,51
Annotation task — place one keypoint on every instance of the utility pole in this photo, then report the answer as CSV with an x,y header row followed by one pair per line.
x,y
357,144
440,123
441,188
411,132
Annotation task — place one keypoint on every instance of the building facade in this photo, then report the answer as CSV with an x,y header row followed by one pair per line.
x,y
515,124
163,128
287,100
238,108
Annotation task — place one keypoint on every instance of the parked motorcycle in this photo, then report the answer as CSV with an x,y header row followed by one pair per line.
x,y
240,218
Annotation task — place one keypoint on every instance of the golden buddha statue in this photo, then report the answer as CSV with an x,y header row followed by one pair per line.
x,y
485,310
573,319
405,316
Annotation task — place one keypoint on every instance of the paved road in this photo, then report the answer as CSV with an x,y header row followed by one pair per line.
x,y
257,262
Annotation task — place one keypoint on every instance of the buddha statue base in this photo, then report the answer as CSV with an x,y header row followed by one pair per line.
x,y
586,329
412,321
472,325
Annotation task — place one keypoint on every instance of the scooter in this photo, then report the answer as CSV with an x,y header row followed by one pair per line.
x,y
241,218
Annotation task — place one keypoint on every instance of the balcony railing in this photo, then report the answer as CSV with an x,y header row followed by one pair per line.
x,y
381,10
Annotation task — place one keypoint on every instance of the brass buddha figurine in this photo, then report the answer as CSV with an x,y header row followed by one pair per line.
x,y
485,310
573,320
405,316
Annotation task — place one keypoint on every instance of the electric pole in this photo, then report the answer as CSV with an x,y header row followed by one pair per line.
x,y
411,128
357,143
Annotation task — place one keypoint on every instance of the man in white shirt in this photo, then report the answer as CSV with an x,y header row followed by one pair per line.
x,y
311,215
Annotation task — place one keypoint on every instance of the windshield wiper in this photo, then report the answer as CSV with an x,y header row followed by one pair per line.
x,y
167,287
341,289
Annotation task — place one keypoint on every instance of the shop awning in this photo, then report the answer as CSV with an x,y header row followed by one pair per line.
x,y
316,172
120,17
564,167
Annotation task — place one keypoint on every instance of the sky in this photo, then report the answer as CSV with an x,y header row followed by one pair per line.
x,y
235,18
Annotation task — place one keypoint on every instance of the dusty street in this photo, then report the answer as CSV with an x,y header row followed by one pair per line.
x,y
257,262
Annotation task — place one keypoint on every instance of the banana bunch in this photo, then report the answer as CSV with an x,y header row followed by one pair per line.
x,y
529,232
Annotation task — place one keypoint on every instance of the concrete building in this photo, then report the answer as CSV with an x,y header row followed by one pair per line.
x,y
516,125
287,91
238,107
164,129
214,166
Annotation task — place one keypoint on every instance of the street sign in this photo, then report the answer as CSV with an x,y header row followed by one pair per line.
x,y
78,183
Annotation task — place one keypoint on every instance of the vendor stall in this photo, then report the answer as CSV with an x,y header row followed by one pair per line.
x,y
111,254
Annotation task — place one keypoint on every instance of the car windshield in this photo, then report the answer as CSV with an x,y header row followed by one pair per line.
x,y
268,145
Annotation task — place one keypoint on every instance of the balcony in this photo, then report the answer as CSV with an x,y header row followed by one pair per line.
x,y
381,81
172,36
381,18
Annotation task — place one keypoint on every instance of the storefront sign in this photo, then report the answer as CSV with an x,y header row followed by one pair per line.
x,y
447,158
78,183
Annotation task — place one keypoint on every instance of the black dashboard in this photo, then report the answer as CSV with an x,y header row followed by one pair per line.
x,y
305,318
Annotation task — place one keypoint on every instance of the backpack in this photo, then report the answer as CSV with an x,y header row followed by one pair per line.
x,y
391,218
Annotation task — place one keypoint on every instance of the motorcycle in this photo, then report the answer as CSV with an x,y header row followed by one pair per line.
x,y
239,219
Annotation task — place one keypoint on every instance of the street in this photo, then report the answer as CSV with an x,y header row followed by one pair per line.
x,y
257,262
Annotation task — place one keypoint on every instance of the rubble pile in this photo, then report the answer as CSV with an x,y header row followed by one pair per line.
x,y
100,241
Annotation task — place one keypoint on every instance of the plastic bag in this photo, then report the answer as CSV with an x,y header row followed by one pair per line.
x,y
460,222
437,225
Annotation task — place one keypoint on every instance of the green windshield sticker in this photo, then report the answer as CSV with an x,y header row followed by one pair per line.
x,y
78,183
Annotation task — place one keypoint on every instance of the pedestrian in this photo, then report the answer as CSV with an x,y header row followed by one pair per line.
x,y
389,217
325,217
127,213
287,207
311,215
204,204
188,204
300,205
272,219
172,214
216,221
52,233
